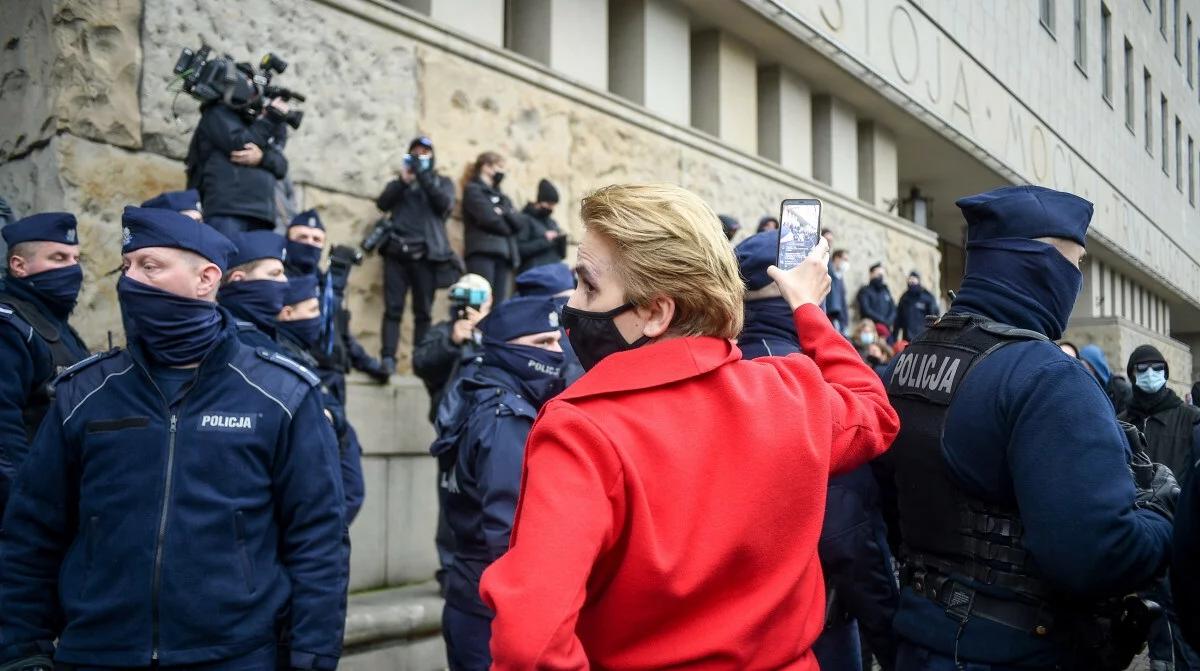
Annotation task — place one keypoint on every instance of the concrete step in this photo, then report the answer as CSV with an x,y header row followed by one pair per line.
x,y
397,629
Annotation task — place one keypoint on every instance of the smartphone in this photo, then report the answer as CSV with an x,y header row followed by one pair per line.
x,y
799,230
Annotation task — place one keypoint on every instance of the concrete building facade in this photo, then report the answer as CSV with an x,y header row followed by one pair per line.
x,y
887,110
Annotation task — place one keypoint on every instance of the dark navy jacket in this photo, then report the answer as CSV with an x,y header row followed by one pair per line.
x,y
914,306
27,364
1030,427
191,530
875,302
835,303
1185,579
480,466
853,547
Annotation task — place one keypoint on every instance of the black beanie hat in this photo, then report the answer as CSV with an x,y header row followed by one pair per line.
x,y
1146,354
546,192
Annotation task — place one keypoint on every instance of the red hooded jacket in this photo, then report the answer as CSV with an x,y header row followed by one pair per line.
x,y
671,504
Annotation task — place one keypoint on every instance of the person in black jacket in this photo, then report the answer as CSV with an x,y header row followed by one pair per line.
x,y
447,345
418,202
540,241
875,300
490,223
234,161
916,303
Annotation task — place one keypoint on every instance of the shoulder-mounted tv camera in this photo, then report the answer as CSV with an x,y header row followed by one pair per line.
x,y
236,85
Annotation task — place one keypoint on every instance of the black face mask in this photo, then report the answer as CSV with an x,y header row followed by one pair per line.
x,y
497,177
593,335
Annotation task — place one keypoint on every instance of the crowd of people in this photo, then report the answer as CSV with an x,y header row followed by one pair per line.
x,y
672,454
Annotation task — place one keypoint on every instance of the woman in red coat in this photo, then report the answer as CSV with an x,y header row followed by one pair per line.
x,y
672,498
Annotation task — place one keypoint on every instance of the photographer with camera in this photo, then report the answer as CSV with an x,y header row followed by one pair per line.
x,y
446,345
540,241
414,244
490,223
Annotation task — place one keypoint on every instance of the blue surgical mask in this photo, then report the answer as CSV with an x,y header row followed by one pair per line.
x,y
303,257
867,338
304,331
256,301
1150,380
174,330
58,288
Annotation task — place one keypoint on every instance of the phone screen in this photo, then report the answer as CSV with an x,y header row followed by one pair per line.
x,y
799,230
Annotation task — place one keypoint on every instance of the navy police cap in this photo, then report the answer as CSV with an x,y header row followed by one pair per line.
x,y
176,200
1025,212
545,280
255,245
44,227
754,255
300,288
308,218
521,316
152,227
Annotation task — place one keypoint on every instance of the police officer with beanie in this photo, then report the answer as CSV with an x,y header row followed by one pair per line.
x,y
130,540
860,588
1021,526
480,459
37,296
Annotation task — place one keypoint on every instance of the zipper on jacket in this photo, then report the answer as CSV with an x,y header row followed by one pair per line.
x,y
162,532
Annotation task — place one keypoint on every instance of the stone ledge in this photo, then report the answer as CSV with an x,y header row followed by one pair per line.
x,y
403,613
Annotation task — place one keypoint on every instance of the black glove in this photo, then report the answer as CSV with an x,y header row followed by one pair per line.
x,y
35,663
377,371
1157,489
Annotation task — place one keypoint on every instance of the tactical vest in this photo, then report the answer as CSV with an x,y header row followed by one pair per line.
x,y
950,536
61,358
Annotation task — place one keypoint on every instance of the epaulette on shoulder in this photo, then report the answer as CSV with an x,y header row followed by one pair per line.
x,y
10,316
245,326
80,365
284,362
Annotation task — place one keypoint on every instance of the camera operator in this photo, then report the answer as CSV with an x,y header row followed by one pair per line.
x,y
437,358
490,223
541,242
418,202
336,350
233,161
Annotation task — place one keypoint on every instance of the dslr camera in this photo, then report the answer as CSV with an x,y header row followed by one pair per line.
x,y
236,85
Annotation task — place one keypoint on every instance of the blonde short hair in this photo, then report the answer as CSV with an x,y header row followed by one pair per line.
x,y
669,242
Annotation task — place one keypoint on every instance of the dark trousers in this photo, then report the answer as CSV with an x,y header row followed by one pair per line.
x,y
230,225
468,640
496,270
399,278
912,657
262,659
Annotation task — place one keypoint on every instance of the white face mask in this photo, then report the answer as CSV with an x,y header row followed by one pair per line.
x,y
842,267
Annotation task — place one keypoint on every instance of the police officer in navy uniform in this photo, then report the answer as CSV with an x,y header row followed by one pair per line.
x,y
181,505
253,289
186,202
37,342
480,459
1020,524
557,281
861,590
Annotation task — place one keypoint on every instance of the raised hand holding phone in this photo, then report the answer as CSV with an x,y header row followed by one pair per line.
x,y
799,230
807,282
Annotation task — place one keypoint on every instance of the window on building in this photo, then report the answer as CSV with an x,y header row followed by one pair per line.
x,y
1162,18
1081,35
1191,57
1175,24
1106,53
1148,106
1178,155
1046,14
1129,92
1163,121
1191,159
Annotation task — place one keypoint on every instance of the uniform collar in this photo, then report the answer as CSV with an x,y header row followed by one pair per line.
x,y
654,365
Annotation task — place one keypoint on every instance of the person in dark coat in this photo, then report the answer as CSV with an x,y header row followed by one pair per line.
x,y
558,282
37,296
186,202
233,162
480,460
449,344
861,591
540,241
490,224
181,507
981,394
417,202
1119,391
875,300
836,306
916,303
